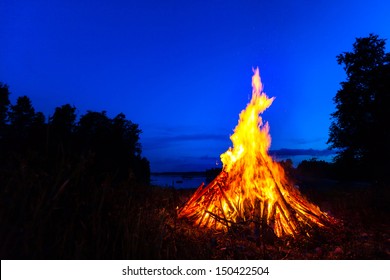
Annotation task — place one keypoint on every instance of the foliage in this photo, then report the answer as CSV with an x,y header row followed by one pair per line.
x,y
110,146
4,104
70,188
316,168
22,113
288,167
73,216
359,129
63,121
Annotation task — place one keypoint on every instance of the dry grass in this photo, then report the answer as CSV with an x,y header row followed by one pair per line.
x,y
76,214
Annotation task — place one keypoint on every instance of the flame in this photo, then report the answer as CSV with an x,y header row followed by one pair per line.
x,y
252,187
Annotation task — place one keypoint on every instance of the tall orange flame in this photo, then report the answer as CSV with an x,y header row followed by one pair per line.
x,y
252,187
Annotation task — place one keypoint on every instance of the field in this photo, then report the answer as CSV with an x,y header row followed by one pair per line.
x,y
79,218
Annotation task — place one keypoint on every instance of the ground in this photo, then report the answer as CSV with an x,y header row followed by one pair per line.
x,y
82,219
362,231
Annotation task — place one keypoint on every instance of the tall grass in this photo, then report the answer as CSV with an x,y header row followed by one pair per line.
x,y
68,211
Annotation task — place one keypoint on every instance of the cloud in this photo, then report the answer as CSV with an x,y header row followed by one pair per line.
x,y
191,137
185,163
301,152
309,141
159,142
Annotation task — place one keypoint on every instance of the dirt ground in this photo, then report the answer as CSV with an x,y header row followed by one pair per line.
x,y
362,232
89,220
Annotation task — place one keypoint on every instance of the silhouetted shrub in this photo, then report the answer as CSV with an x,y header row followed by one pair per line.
x,y
316,168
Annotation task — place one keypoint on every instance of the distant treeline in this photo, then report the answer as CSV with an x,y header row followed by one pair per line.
x,y
105,147
70,187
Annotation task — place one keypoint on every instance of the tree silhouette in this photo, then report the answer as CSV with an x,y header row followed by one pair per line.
x,y
127,134
61,128
359,128
104,147
4,105
63,121
94,130
21,117
67,183
114,144
128,149
26,127
37,133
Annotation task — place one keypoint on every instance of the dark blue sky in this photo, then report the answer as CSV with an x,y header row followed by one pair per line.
x,y
182,69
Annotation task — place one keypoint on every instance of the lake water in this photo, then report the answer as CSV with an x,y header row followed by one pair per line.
x,y
194,180
177,181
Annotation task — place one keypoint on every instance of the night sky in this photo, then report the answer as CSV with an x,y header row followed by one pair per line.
x,y
182,69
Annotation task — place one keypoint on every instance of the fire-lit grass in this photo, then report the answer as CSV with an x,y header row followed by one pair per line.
x,y
77,215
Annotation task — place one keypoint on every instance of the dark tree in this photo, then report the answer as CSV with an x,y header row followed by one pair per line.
x,y
94,130
359,128
315,168
22,113
127,134
37,132
60,134
101,146
22,117
27,127
114,144
4,105
63,121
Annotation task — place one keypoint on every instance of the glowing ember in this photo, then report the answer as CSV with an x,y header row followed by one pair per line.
x,y
252,188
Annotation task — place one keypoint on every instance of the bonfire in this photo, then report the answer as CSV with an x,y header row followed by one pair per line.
x,y
252,188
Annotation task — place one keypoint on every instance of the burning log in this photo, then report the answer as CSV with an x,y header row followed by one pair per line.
x,y
252,187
